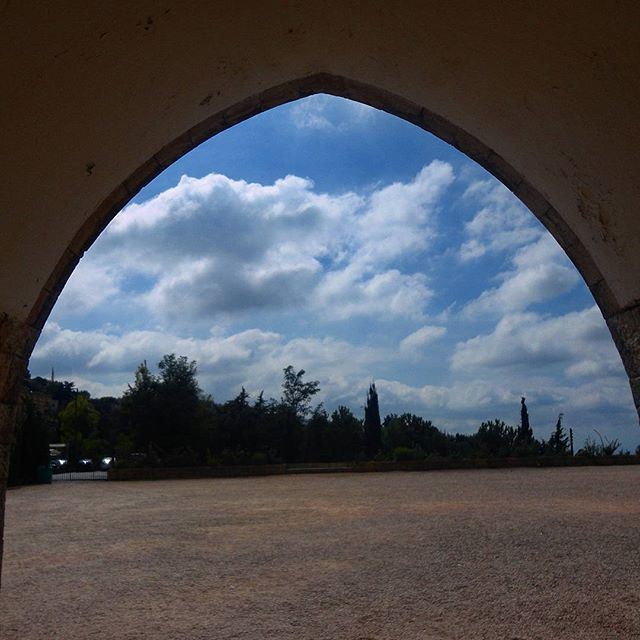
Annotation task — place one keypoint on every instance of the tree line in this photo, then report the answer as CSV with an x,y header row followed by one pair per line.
x,y
165,418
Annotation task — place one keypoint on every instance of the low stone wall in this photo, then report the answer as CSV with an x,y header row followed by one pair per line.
x,y
179,473
432,464
435,464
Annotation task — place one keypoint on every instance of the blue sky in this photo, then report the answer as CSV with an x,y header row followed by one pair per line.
x,y
334,237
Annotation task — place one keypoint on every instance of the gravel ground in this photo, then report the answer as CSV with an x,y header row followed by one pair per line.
x,y
514,554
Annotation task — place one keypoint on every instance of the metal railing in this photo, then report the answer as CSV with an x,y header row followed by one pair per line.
x,y
79,475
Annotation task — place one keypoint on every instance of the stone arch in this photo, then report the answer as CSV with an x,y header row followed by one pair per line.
x,y
291,91
543,95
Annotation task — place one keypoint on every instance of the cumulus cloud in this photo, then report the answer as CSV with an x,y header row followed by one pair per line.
x,y
540,272
397,221
213,246
464,398
253,358
90,286
530,340
501,223
419,339
323,113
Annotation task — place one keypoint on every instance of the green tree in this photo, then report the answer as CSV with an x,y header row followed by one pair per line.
x,y
317,447
344,435
558,444
409,431
30,448
78,428
164,412
372,425
496,438
140,406
297,394
525,432
295,407
110,424
178,397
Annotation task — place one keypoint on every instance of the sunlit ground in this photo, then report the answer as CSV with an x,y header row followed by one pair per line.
x,y
551,553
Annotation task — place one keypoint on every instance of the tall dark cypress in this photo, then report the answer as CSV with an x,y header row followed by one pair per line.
x,y
571,440
559,441
525,432
372,425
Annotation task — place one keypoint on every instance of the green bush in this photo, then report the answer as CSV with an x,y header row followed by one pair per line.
x,y
259,458
407,453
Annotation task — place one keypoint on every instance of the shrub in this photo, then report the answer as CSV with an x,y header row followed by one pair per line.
x,y
259,458
407,453
592,449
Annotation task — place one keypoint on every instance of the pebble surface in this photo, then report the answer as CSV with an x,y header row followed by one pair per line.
x,y
518,554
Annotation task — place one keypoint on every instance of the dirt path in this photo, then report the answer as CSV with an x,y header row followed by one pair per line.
x,y
513,554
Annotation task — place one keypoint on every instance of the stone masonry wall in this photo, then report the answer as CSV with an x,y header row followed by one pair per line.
x,y
16,342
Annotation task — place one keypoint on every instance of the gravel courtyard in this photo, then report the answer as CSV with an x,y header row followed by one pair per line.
x,y
513,554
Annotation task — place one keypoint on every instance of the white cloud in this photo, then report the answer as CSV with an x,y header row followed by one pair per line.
x,y
253,358
90,286
502,223
399,217
213,247
528,340
398,221
419,339
346,294
541,272
323,113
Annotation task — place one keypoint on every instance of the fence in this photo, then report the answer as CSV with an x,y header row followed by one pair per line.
x,y
79,475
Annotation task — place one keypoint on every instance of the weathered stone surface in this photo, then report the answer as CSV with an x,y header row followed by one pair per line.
x,y
5,448
3,495
635,390
625,330
502,170
603,295
16,342
99,219
9,378
142,176
16,338
8,414
171,152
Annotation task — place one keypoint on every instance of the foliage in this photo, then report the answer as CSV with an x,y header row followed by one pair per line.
x,y
558,444
165,419
525,431
30,448
344,435
593,449
496,438
413,432
406,453
372,425
164,411
297,394
78,428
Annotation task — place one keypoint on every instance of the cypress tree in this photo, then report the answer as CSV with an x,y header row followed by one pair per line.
x,y
525,432
559,442
571,440
372,425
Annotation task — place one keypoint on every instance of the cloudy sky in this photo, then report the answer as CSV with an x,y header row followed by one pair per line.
x,y
339,239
